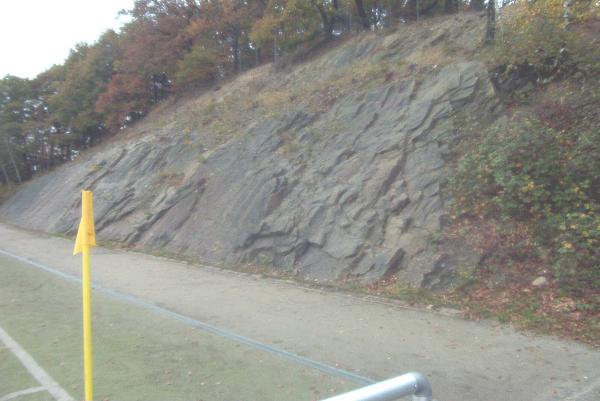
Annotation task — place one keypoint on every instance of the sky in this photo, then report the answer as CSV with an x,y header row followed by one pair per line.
x,y
36,34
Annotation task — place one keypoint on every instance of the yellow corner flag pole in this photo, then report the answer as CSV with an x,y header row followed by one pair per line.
x,y
86,238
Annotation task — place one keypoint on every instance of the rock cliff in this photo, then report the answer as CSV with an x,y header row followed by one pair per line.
x,y
333,169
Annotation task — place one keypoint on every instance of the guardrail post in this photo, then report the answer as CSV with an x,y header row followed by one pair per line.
x,y
413,383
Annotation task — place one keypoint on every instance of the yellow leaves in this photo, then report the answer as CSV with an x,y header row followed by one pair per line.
x,y
564,304
525,12
263,29
567,245
529,187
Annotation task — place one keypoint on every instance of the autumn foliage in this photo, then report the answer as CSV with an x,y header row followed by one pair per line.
x,y
172,46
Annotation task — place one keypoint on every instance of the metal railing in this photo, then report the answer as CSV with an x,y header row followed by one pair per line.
x,y
412,383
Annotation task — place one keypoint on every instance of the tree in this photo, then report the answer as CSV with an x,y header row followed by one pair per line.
x,y
330,14
287,24
46,147
362,14
5,177
224,26
15,109
477,5
89,68
451,6
198,67
151,43
490,29
171,45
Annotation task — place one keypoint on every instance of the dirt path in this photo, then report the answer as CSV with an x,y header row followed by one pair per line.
x,y
465,361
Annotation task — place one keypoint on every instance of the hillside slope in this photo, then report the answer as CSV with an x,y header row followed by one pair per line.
x,y
332,169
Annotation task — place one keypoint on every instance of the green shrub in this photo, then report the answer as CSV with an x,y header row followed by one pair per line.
x,y
197,67
525,170
536,33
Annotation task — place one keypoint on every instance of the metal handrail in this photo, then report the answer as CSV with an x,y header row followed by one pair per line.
x,y
412,383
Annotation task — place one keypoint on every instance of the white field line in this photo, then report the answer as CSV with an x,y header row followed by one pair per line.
x,y
19,393
34,369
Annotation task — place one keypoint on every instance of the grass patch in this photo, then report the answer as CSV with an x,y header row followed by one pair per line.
x,y
140,355
13,376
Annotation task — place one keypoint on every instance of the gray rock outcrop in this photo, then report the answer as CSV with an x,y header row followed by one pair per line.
x,y
355,191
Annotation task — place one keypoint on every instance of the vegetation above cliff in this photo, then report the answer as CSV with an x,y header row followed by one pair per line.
x,y
168,47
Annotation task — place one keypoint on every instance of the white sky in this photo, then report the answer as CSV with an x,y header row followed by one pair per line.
x,y
35,34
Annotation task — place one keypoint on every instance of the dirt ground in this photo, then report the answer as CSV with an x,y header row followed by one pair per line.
x,y
465,360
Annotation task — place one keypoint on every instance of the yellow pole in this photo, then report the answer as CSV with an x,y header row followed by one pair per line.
x,y
87,327
86,238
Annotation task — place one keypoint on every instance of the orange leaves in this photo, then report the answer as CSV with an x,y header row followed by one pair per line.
x,y
125,94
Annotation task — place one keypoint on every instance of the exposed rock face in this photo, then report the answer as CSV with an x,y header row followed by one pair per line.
x,y
354,191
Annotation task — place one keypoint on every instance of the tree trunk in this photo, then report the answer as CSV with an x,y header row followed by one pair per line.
x,y
490,30
236,52
5,174
378,15
417,8
477,5
395,10
450,6
360,9
568,12
349,20
51,155
12,160
17,172
326,19
414,6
